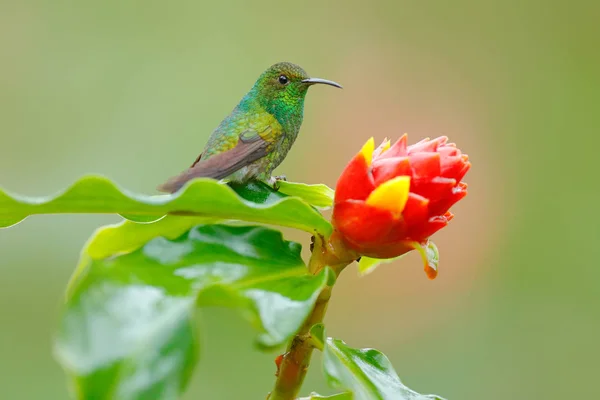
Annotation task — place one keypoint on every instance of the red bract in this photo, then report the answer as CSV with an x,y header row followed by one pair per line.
x,y
391,199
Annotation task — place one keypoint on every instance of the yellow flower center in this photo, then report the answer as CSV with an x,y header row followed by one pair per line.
x,y
391,195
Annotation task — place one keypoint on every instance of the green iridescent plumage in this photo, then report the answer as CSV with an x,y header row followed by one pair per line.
x,y
255,138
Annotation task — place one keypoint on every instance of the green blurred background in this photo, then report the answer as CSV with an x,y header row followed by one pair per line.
x,y
133,89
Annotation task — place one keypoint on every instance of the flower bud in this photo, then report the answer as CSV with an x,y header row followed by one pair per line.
x,y
391,199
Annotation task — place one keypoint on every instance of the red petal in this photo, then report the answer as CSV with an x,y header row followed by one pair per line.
x,y
355,183
425,165
389,250
451,166
360,224
423,231
398,149
434,189
416,209
385,169
427,145
461,174
443,205
446,151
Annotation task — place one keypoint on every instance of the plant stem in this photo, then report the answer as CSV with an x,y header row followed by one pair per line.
x,y
294,365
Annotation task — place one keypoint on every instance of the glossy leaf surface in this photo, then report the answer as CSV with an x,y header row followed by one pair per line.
x,y
127,328
367,373
199,198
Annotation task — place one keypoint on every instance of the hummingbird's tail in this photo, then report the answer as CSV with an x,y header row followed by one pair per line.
x,y
218,166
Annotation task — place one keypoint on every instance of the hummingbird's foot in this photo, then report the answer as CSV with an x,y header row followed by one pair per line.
x,y
274,181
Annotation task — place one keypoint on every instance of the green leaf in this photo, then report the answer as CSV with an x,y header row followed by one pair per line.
x,y
127,328
257,192
318,195
339,396
367,373
200,198
366,265
127,235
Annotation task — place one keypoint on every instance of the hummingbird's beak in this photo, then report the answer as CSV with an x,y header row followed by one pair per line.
x,y
314,81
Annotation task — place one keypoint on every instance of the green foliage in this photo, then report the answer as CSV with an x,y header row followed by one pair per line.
x,y
129,318
127,328
127,236
200,198
367,373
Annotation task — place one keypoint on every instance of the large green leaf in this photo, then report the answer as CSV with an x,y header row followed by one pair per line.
x,y
200,198
367,373
126,330
126,236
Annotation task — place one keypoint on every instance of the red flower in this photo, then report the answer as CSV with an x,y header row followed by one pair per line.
x,y
391,199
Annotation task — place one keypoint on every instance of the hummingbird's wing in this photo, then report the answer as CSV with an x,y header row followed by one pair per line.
x,y
250,147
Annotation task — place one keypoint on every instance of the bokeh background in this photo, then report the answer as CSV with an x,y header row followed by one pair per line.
x,y
132,90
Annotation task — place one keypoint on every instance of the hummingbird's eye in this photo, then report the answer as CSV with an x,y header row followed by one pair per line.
x,y
283,79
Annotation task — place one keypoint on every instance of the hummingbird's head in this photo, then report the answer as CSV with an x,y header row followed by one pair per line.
x,y
281,89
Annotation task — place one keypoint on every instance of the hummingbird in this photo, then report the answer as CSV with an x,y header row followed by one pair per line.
x,y
258,134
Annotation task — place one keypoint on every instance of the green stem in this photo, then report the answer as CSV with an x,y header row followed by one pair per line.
x,y
294,365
